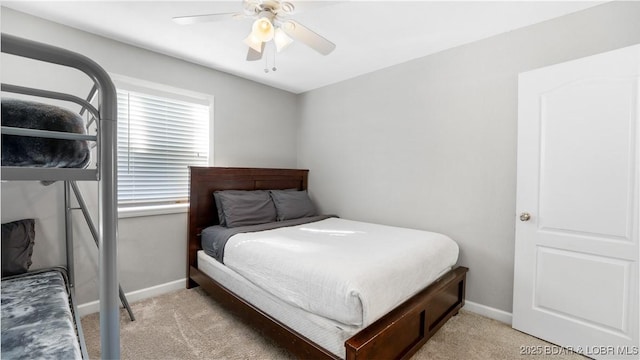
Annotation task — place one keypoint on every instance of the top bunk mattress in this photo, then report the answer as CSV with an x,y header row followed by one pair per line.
x,y
348,271
36,318
29,151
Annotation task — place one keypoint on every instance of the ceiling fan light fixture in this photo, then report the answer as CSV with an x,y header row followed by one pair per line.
x,y
270,22
263,29
253,42
281,40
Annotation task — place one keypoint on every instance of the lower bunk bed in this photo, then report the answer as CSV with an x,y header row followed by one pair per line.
x,y
39,318
367,328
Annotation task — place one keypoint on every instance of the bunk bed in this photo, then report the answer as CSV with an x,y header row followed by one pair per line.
x,y
287,314
103,170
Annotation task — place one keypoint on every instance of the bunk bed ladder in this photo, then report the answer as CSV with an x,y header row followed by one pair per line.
x,y
82,206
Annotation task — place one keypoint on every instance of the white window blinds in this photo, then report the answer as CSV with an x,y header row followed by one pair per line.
x,y
158,139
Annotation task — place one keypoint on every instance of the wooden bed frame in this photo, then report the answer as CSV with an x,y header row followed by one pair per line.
x,y
397,335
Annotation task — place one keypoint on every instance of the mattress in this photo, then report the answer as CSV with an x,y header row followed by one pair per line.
x,y
42,152
327,333
36,318
347,271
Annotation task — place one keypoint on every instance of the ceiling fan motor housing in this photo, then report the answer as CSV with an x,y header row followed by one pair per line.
x,y
275,7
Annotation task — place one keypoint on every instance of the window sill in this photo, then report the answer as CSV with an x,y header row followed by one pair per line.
x,y
152,210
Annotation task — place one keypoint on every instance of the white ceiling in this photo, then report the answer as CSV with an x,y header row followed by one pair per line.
x,y
369,35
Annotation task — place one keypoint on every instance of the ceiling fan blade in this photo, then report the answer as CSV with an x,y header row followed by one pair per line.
x,y
194,19
306,6
253,55
308,37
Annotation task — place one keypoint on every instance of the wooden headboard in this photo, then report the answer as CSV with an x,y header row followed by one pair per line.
x,y
205,180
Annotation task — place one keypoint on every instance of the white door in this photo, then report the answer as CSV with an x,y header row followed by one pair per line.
x,y
576,259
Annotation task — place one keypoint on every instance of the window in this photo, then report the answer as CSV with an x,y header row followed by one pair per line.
x,y
159,137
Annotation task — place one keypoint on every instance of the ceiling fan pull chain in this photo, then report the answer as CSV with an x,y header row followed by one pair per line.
x,y
274,68
266,63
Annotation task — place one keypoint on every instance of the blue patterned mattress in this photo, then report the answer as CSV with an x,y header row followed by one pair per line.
x,y
37,322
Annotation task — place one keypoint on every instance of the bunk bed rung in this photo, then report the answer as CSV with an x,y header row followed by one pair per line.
x,y
8,130
48,174
51,95
92,94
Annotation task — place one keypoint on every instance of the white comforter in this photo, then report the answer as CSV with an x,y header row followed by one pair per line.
x,y
348,271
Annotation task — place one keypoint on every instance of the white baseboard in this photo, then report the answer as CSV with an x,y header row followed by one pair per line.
x,y
489,312
94,306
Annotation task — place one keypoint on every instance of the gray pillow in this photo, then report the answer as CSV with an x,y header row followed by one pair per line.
x,y
221,218
17,246
292,204
242,208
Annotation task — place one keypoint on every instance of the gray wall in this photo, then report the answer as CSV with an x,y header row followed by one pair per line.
x,y
431,143
152,250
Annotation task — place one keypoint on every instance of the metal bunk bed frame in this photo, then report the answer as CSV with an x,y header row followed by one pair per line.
x,y
105,171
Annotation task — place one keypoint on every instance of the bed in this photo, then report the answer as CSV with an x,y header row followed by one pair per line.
x,y
309,330
49,144
38,317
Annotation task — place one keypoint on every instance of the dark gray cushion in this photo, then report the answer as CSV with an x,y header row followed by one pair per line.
x,y
42,152
242,208
17,246
221,218
292,204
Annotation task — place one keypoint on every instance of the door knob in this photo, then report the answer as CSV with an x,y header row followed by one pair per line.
x,y
525,216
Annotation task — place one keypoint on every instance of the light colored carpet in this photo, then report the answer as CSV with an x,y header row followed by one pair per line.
x,y
188,324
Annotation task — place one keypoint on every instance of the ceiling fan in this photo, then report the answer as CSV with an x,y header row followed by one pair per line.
x,y
271,22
